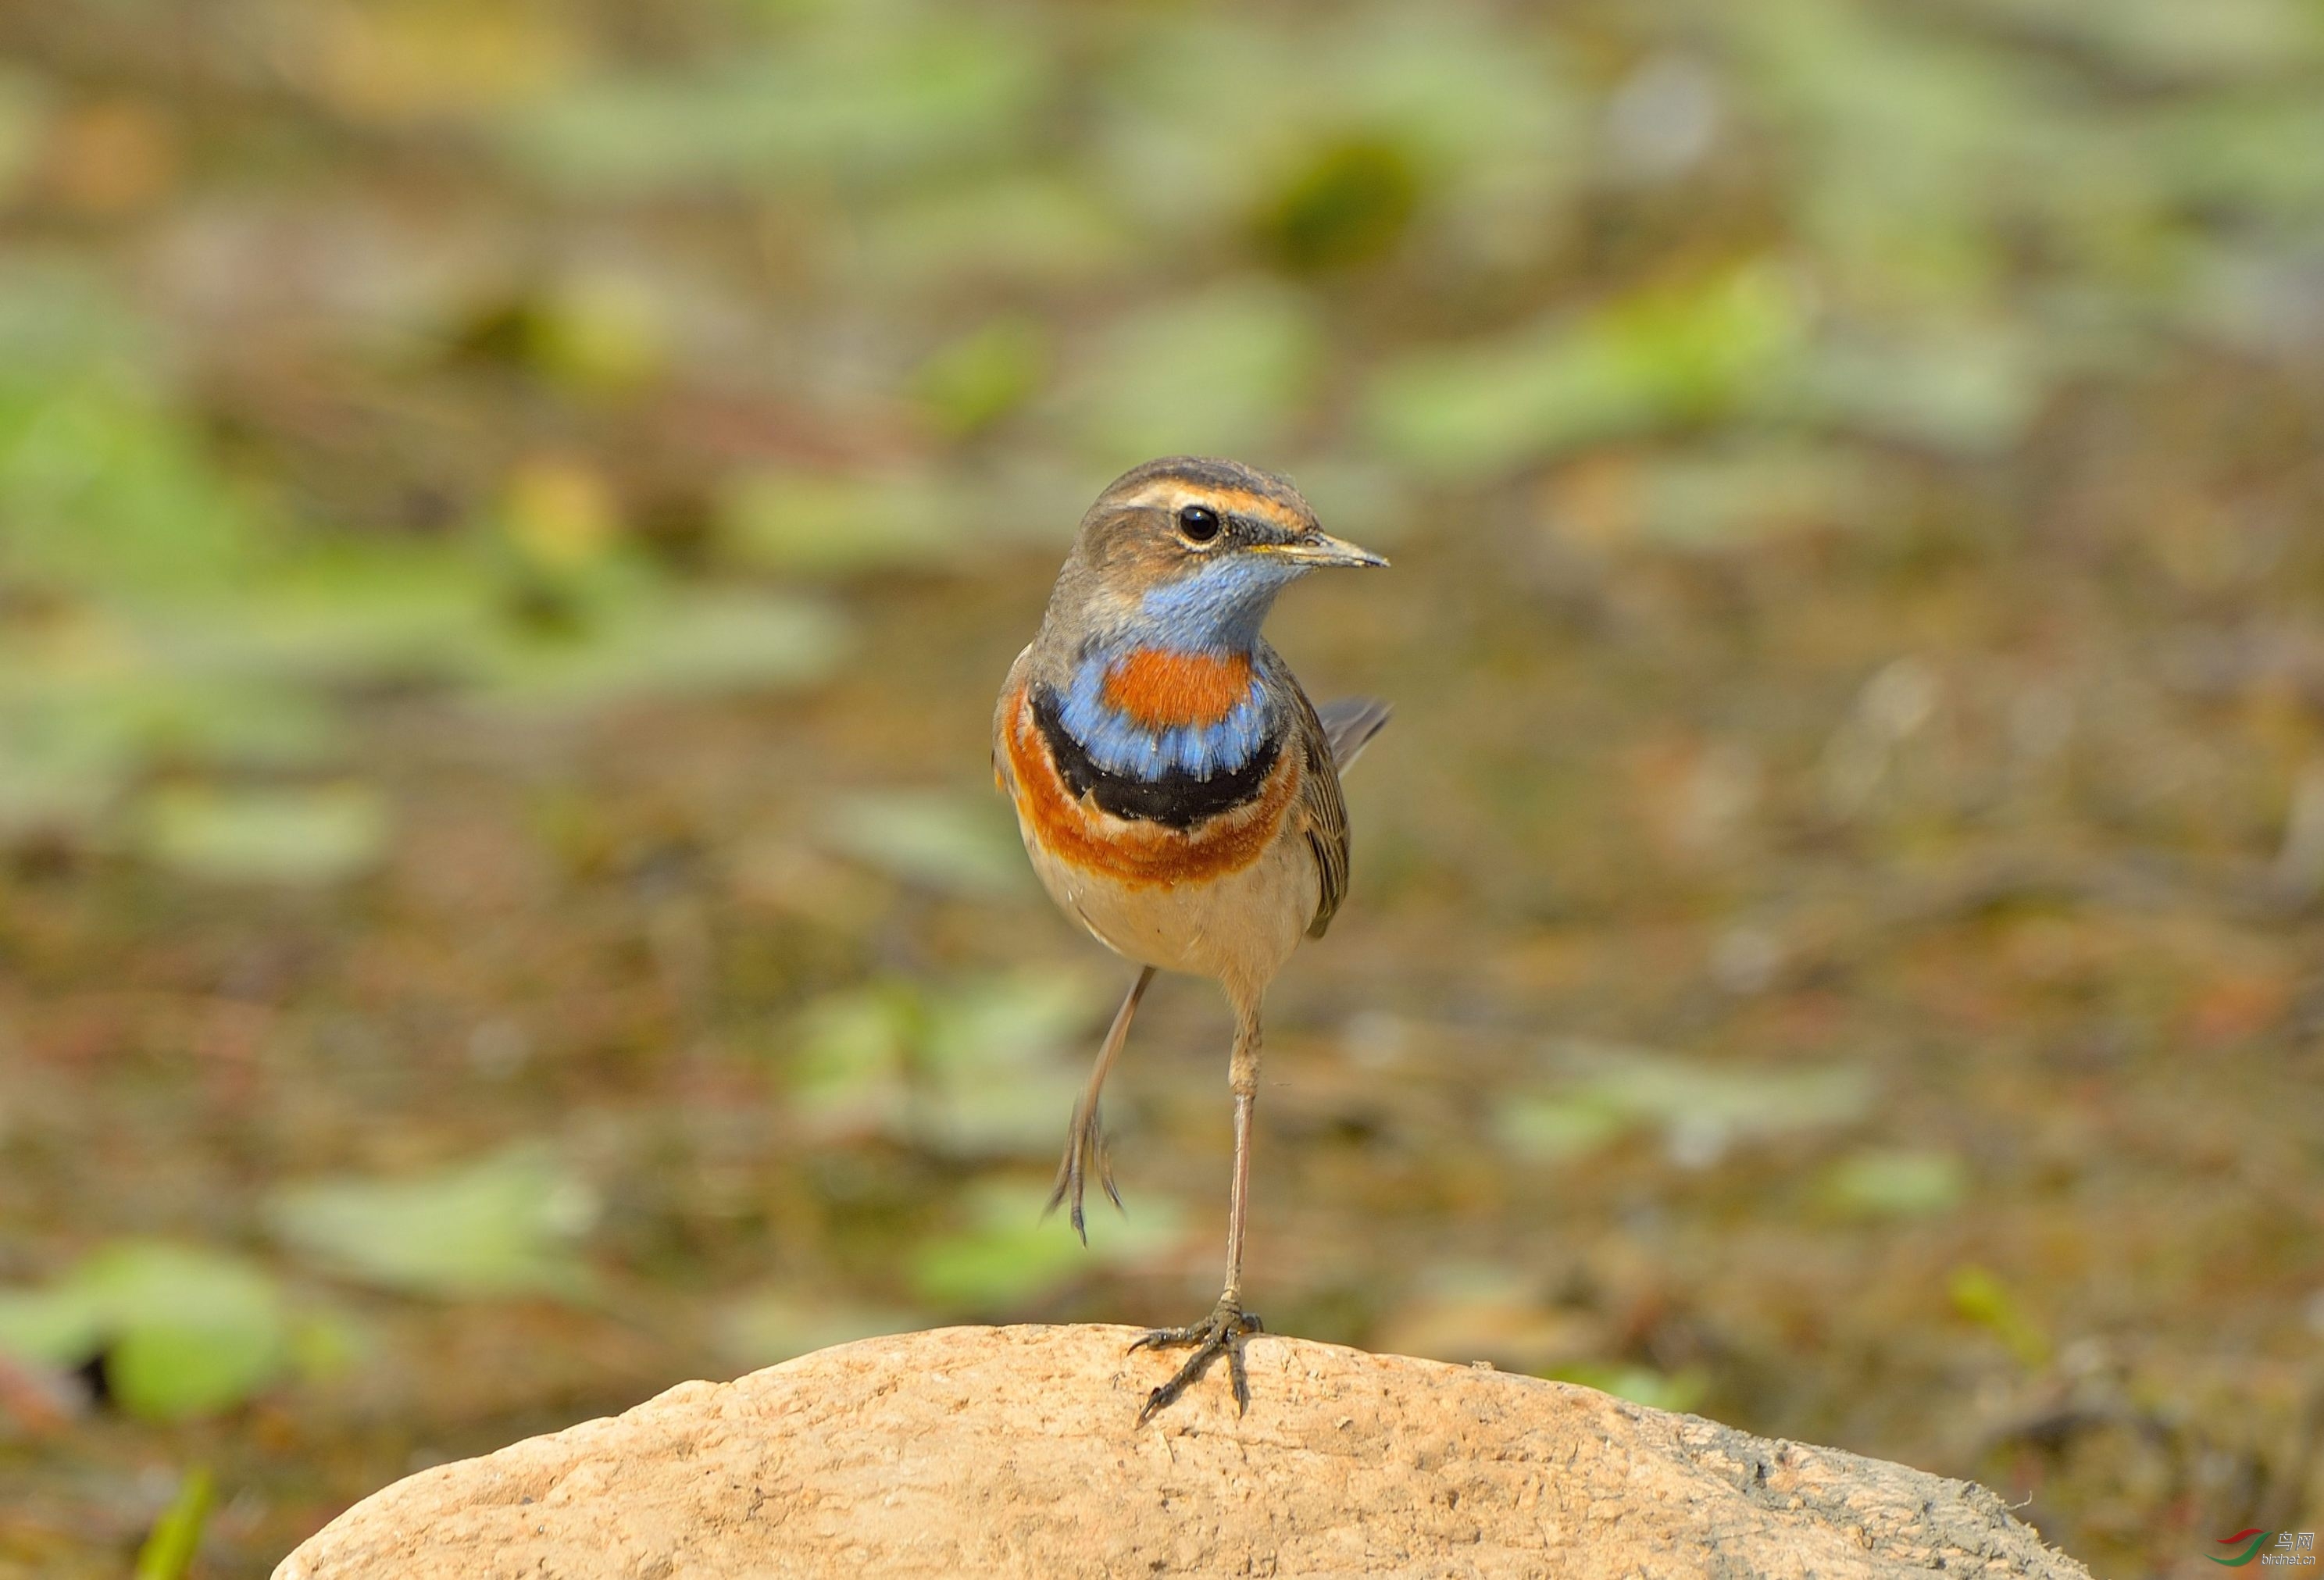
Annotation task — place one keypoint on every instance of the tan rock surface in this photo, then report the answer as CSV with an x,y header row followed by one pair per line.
x,y
974,1451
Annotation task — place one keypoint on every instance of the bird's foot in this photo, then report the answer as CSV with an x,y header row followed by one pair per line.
x,y
1220,1332
1084,1156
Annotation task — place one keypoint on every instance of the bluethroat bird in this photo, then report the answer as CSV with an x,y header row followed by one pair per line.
x,y
1178,794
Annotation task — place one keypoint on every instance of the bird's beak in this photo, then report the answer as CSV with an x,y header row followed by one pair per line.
x,y
1321,548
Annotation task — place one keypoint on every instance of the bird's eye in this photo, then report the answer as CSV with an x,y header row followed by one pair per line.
x,y
1198,523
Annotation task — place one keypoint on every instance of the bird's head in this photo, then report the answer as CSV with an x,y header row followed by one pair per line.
x,y
1188,553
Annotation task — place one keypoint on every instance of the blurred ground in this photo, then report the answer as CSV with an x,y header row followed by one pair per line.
x,y
511,517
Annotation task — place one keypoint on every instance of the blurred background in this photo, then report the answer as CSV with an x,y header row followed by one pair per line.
x,y
512,516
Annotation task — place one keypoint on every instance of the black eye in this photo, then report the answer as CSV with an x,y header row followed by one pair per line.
x,y
1198,523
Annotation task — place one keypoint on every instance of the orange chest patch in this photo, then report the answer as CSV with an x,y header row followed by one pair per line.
x,y
1158,690
1139,854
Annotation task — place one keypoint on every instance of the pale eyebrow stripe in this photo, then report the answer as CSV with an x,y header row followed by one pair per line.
x,y
1170,494
1157,493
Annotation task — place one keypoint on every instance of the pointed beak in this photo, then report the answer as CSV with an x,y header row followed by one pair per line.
x,y
1321,548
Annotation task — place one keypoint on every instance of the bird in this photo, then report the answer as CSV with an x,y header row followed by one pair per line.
x,y
1178,792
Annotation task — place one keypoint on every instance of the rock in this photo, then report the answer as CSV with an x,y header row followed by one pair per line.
x,y
1011,1451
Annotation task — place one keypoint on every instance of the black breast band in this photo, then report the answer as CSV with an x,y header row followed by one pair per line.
x,y
1175,797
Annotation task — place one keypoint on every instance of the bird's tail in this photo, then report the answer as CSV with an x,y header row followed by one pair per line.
x,y
1348,724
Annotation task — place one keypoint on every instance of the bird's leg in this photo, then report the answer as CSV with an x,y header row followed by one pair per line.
x,y
1085,1140
1228,1325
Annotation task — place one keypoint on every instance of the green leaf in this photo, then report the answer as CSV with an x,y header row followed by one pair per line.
x,y
177,1536
986,1027
1736,495
834,524
968,1068
1546,1128
1968,389
88,700
1348,205
1703,1109
59,1326
1481,117
1905,142
183,1332
851,1070
702,644
186,1332
1897,1182
506,1226
299,837
1661,358
179,1371
602,332
327,1344
972,382
2221,38
1680,1390
863,92
947,842
995,1269
1009,1257
1224,374
60,768
348,615
103,487
994,1078
2243,152
1024,228
1983,1298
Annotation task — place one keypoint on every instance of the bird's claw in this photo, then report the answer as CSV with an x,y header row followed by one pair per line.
x,y
1220,1332
1084,1156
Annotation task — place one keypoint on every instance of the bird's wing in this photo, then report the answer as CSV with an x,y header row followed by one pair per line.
x,y
1349,723
1323,811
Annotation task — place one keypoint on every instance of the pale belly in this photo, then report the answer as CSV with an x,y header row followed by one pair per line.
x,y
1238,928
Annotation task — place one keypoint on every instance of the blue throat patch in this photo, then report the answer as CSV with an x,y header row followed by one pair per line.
x,y
1217,609
1119,745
